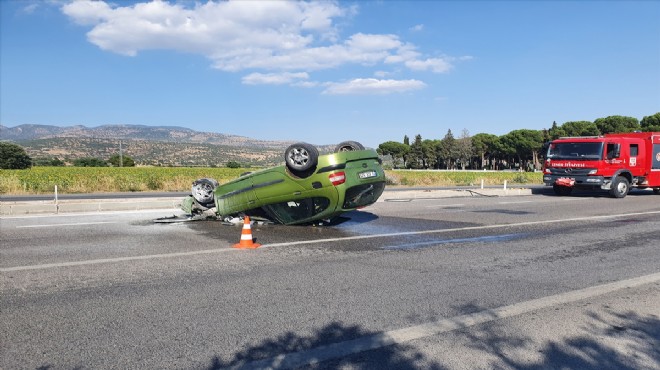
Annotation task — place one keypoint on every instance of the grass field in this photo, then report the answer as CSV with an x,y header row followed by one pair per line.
x,y
42,180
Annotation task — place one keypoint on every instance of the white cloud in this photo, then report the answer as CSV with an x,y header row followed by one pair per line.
x,y
30,8
438,65
274,78
371,86
417,28
263,36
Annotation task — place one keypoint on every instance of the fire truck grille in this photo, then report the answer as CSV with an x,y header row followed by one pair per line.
x,y
570,171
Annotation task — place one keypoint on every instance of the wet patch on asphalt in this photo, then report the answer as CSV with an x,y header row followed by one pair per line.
x,y
505,212
437,242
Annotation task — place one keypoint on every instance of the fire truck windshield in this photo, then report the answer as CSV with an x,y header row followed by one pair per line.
x,y
575,151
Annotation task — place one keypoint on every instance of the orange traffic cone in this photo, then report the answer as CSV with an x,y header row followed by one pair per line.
x,y
246,236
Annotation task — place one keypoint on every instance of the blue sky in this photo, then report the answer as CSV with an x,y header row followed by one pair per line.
x,y
324,72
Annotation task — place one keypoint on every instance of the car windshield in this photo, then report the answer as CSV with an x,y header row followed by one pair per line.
x,y
575,151
298,210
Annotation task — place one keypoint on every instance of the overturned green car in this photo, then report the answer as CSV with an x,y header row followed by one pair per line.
x,y
309,188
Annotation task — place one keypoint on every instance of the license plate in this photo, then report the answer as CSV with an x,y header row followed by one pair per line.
x,y
368,174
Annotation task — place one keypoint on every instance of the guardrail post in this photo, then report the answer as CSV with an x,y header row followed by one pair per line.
x,y
57,205
504,184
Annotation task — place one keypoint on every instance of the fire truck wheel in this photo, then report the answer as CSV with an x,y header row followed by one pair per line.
x,y
656,190
620,187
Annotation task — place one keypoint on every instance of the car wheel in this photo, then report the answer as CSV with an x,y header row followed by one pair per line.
x,y
348,146
301,157
620,187
202,190
562,190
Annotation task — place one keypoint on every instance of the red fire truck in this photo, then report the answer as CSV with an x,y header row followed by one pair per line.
x,y
614,162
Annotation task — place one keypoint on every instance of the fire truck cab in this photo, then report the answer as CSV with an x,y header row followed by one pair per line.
x,y
614,162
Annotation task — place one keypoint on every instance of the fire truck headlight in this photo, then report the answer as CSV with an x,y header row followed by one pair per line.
x,y
593,172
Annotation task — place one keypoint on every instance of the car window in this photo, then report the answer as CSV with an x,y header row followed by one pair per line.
x,y
362,195
297,210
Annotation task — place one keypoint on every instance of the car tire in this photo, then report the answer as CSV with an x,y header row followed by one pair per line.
x,y
301,158
620,187
202,191
348,146
562,190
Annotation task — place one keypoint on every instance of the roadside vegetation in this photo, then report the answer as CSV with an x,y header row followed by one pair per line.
x,y
465,160
42,180
461,178
519,149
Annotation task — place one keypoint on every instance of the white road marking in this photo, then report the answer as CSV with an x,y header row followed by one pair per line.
x,y
319,241
403,335
518,202
87,214
73,224
114,260
445,206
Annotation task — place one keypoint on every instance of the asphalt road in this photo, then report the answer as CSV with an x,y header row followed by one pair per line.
x,y
529,282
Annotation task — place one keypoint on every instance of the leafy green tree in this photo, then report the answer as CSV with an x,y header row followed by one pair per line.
x,y
429,148
651,123
446,150
406,140
123,161
617,124
13,157
396,150
416,154
233,164
580,128
90,162
555,132
464,151
525,144
486,147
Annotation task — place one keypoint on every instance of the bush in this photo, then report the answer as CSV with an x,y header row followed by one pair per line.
x,y
233,164
90,162
123,161
48,162
13,157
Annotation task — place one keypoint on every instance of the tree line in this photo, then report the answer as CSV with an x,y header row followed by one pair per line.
x,y
521,149
14,157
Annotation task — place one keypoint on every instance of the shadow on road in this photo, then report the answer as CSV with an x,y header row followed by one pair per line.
x,y
611,340
396,356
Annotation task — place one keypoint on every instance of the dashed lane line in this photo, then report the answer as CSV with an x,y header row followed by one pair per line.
x,y
60,225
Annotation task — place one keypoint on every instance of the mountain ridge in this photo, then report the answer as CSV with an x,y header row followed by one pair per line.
x,y
27,132
147,145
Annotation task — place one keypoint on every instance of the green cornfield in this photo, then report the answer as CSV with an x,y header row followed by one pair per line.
x,y
42,180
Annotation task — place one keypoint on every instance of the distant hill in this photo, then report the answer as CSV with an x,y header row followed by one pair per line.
x,y
147,145
131,132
